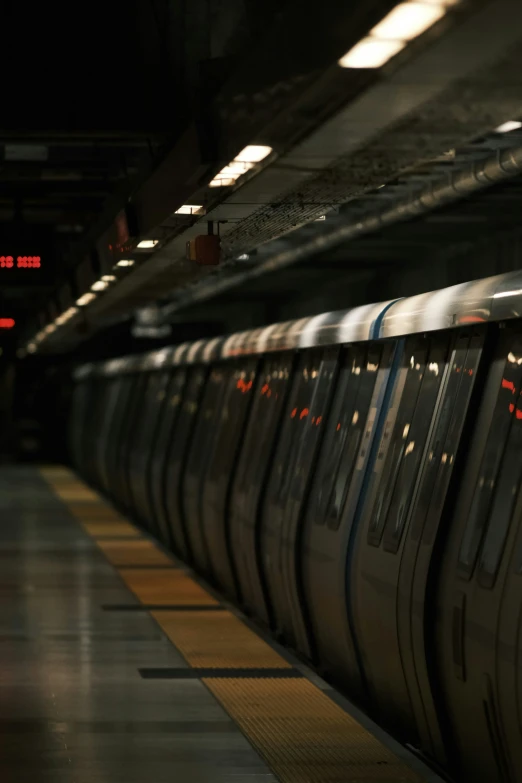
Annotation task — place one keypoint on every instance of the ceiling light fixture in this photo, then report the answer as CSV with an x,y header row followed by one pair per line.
x,y
508,126
404,23
85,299
147,244
99,285
246,160
124,262
108,278
31,348
188,209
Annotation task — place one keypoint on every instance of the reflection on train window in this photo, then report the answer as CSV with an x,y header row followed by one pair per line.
x,y
236,398
414,437
343,412
498,435
505,498
314,419
395,437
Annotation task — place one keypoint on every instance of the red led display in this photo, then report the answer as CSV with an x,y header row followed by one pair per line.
x,y
7,323
22,262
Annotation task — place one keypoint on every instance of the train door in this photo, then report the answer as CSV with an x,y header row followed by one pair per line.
x,y
363,379
474,572
138,383
152,414
254,465
422,538
291,609
198,458
284,466
156,499
509,651
106,428
177,458
117,433
229,431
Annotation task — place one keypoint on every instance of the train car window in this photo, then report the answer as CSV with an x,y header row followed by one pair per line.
x,y
235,401
353,427
414,443
448,452
342,413
313,368
501,423
297,403
315,420
270,393
505,498
173,396
205,431
395,436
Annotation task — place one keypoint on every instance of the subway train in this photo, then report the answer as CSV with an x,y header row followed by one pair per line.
x,y
352,482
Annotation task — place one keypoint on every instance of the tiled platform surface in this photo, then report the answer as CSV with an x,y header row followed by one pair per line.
x,y
116,666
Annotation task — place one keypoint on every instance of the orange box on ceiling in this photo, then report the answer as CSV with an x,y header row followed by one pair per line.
x,y
204,249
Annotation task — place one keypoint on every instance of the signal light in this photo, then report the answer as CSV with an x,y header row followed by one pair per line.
x,y
7,323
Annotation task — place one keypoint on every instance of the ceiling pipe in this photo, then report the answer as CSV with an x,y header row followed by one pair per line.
x,y
452,187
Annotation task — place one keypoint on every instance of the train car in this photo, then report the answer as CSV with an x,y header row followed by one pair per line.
x,y
352,481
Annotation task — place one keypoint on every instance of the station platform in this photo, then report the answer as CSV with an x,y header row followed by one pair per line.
x,y
118,665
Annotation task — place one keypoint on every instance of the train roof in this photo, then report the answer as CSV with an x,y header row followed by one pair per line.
x,y
496,298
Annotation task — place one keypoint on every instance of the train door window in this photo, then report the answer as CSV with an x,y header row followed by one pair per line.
x,y
343,408
395,436
352,426
274,378
308,375
322,381
285,454
414,444
498,435
236,398
505,498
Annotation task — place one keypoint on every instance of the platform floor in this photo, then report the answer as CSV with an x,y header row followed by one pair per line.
x,y
117,665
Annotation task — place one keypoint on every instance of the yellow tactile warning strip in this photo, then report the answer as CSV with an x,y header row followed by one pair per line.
x,y
217,640
138,552
303,736
165,586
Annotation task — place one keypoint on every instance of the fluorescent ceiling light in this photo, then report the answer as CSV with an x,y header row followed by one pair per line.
x,y
85,299
99,285
371,53
508,126
31,348
242,163
220,182
254,153
188,209
125,262
50,328
408,20
147,244
108,278
404,23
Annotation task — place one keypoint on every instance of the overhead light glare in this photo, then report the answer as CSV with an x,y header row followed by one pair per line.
x,y
99,285
123,262
254,153
246,160
404,23
407,21
31,348
188,209
371,53
50,328
85,299
508,126
108,278
147,244
222,182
